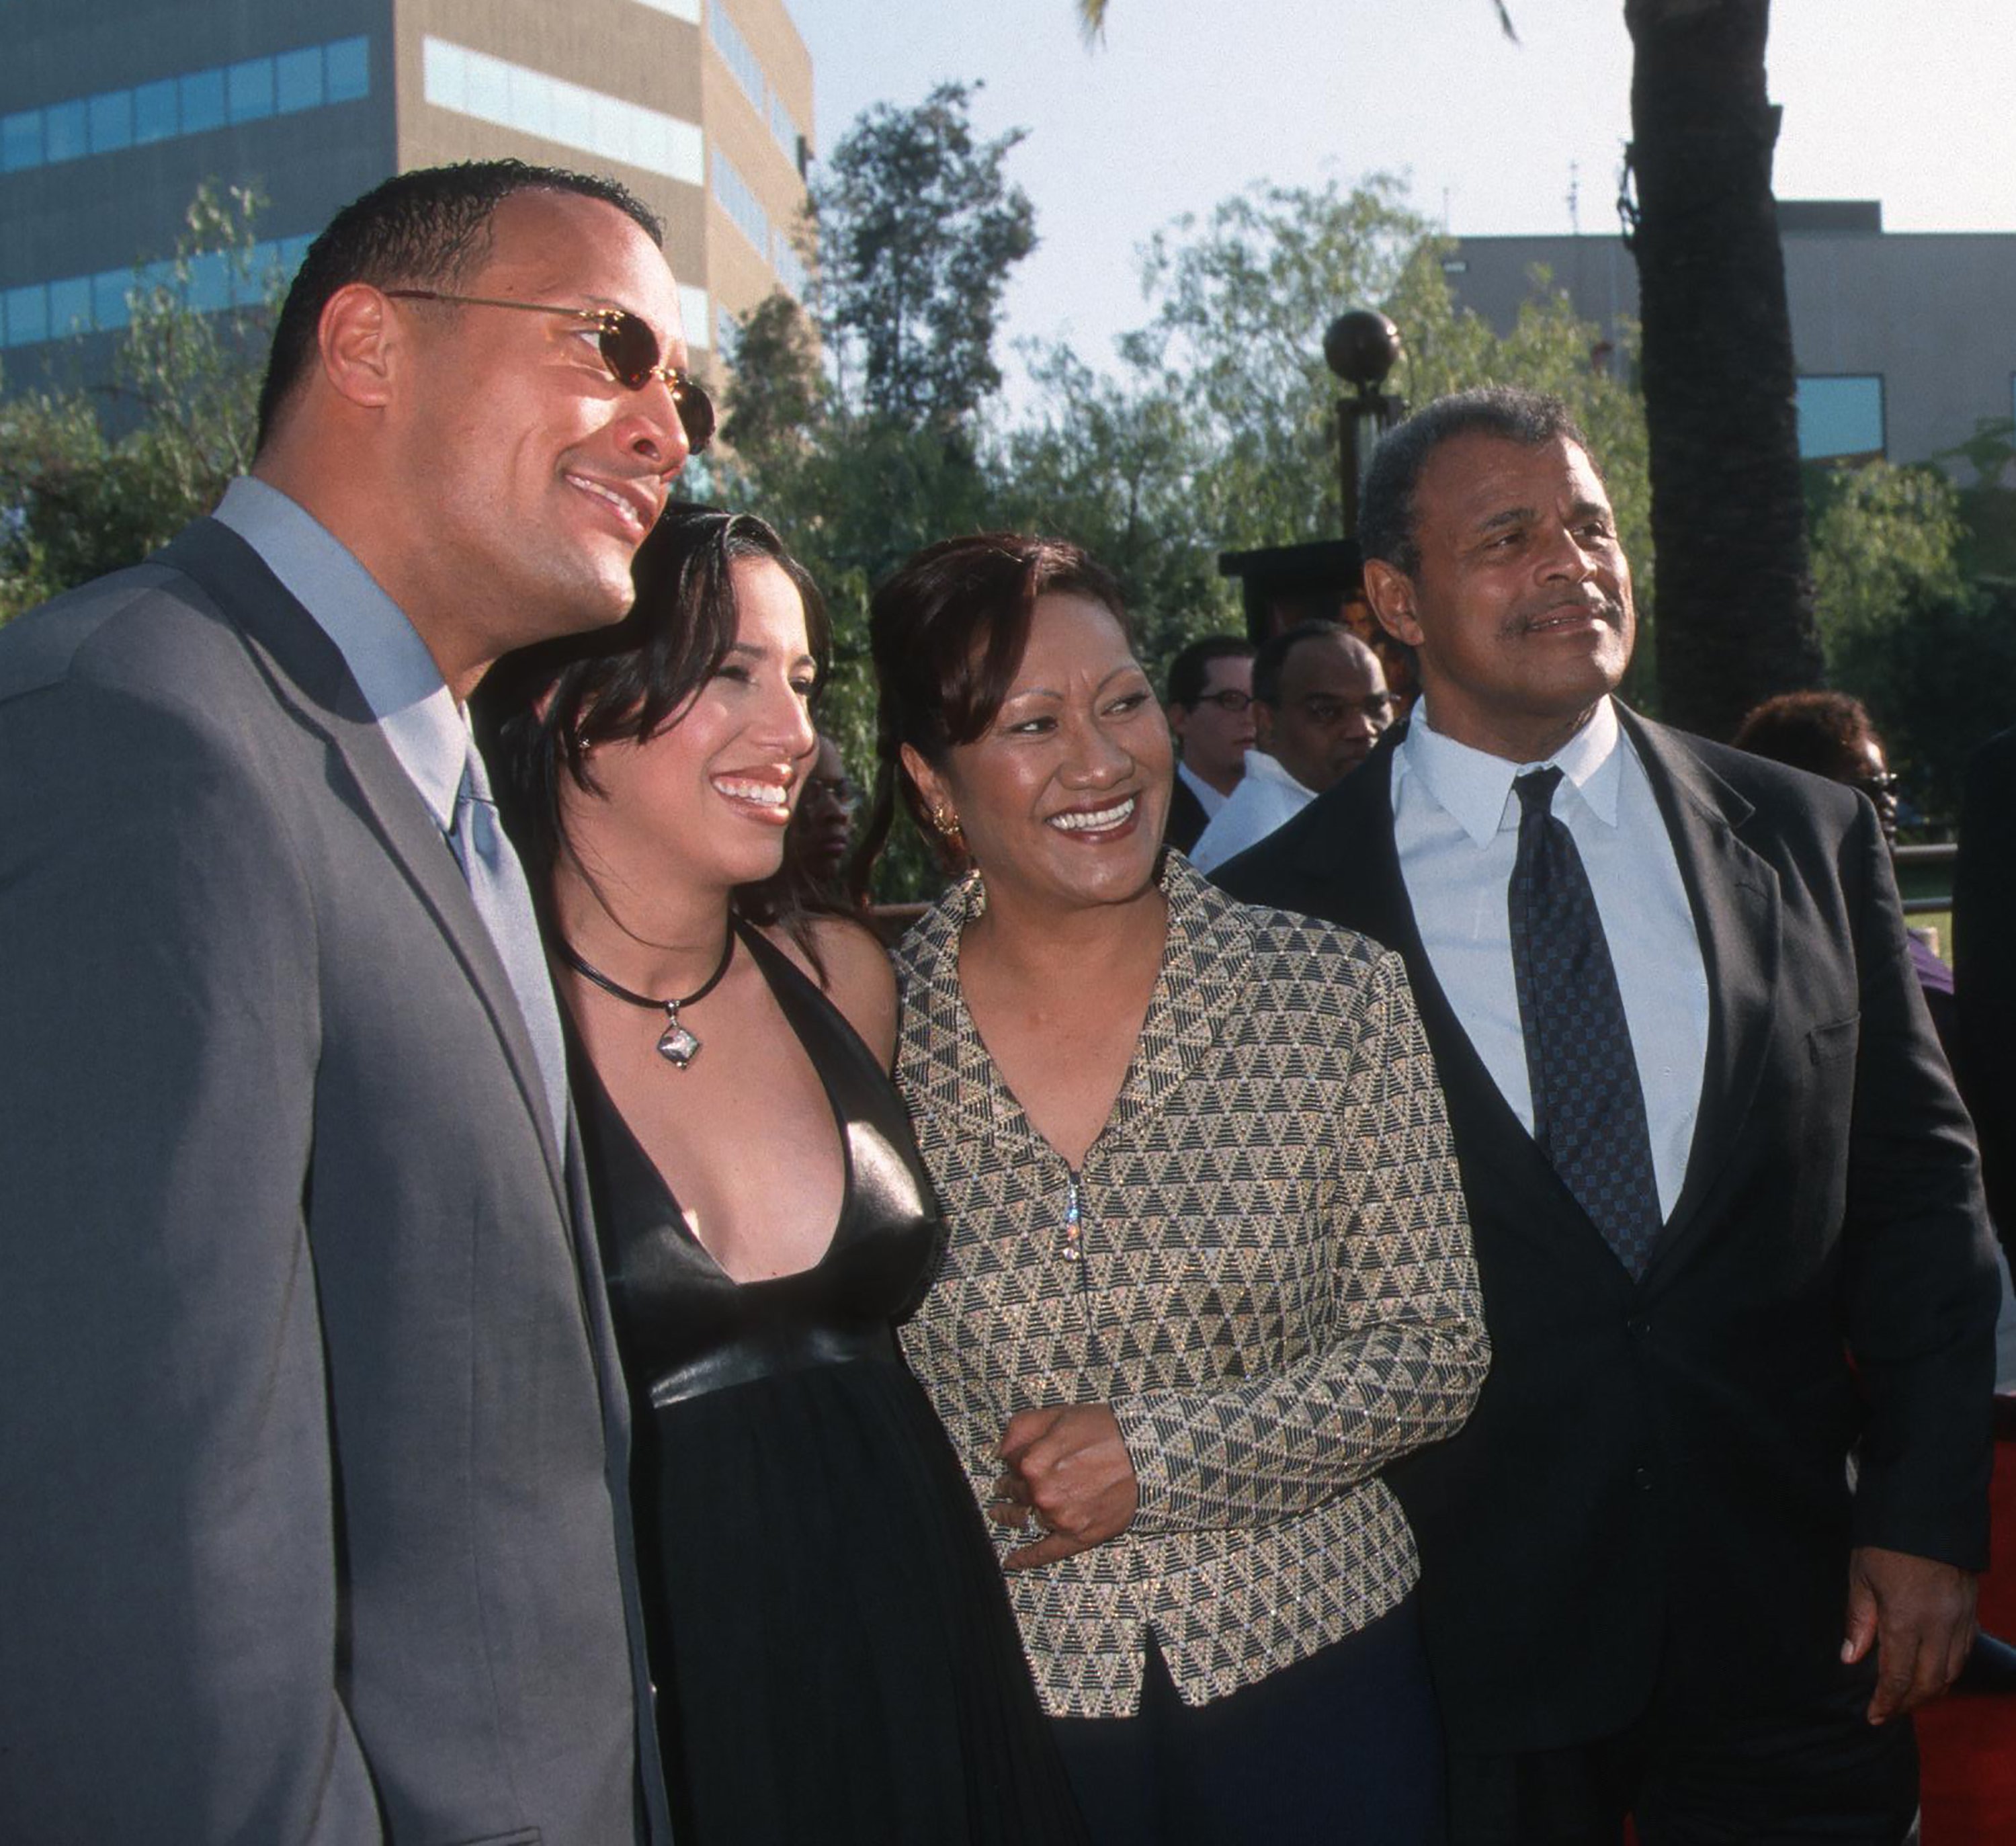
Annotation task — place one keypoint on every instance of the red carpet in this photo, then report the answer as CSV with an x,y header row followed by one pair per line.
x,y
1969,1744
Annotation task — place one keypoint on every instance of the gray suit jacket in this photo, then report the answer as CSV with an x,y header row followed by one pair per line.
x,y
312,1444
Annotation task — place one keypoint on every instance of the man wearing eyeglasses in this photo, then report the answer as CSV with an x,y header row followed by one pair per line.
x,y
1210,710
1320,701
318,1525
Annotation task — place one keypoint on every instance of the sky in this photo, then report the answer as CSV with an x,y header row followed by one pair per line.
x,y
1190,101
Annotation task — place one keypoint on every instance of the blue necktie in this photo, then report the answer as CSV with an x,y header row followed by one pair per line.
x,y
504,902
1589,1109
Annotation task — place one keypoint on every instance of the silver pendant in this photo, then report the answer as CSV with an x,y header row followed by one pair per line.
x,y
678,1046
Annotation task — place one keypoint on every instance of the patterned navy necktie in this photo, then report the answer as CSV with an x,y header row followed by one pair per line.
x,y
1589,1109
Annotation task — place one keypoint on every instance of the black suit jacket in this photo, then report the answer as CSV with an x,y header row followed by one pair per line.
x,y
1653,1489
1186,818
1984,948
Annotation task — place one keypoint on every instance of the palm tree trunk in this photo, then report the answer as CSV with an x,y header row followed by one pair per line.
x,y
1735,617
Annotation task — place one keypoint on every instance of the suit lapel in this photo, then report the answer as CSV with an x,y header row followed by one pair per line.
x,y
308,675
1734,895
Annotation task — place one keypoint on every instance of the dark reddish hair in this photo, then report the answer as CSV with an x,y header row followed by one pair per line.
x,y
947,634
1823,732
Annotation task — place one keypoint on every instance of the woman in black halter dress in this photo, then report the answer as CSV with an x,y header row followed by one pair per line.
x,y
835,1658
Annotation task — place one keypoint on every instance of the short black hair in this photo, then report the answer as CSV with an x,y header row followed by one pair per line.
x,y
1190,669
1272,661
427,228
1386,503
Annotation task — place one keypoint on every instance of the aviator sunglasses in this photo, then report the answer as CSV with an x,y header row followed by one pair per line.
x,y
629,349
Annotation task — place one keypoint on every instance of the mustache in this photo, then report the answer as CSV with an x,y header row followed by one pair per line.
x,y
1607,609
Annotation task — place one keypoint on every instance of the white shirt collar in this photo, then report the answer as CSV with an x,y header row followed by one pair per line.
x,y
1475,788
1265,768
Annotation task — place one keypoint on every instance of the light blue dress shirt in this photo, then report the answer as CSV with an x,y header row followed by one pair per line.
x,y
417,715
428,732
1455,821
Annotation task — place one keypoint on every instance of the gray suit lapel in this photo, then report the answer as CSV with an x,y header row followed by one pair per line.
x,y
309,678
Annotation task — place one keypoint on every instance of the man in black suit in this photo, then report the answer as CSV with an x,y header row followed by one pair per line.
x,y
314,1441
1210,709
1710,1528
1985,968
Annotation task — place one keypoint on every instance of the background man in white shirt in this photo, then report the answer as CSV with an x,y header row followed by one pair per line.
x,y
1210,710
1712,1524
1320,702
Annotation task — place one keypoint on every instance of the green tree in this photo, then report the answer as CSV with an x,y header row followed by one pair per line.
x,y
918,230
1885,538
93,482
1241,299
1929,653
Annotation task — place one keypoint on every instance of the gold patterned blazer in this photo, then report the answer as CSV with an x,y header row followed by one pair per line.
x,y
1270,1282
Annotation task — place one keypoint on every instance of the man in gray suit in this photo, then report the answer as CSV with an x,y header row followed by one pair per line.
x,y
315,1522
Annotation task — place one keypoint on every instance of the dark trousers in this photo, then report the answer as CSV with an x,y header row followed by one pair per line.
x,y
1341,1749
1819,1771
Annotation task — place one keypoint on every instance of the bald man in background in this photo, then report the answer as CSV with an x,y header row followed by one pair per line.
x,y
1320,704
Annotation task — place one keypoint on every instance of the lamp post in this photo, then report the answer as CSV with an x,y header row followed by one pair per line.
x,y
1360,347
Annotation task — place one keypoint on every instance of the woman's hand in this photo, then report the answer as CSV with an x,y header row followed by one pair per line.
x,y
1065,1468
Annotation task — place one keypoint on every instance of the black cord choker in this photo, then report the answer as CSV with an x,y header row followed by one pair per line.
x,y
677,1047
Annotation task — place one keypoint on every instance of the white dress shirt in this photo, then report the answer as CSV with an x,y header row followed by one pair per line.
x,y
1266,796
1208,798
1455,821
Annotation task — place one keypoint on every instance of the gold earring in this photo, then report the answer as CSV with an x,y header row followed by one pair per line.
x,y
944,820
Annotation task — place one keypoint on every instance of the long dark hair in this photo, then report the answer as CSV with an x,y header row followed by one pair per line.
x,y
947,634
542,710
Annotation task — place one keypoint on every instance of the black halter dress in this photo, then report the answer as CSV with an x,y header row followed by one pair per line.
x,y
835,1656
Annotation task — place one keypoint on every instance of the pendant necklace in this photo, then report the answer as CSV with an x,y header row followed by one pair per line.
x,y
677,1046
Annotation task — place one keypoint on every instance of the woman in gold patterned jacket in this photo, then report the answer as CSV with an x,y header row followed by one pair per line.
x,y
1209,1269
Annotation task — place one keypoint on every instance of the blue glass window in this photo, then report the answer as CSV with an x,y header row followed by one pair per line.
x,y
1841,418
297,81
108,297
111,121
28,315
347,64
70,306
66,134
154,111
210,283
20,141
202,96
250,87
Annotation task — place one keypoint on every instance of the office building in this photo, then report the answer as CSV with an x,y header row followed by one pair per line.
x,y
113,112
1903,341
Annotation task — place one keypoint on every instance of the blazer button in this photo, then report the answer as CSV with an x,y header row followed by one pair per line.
x,y
1642,1478
1638,1326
